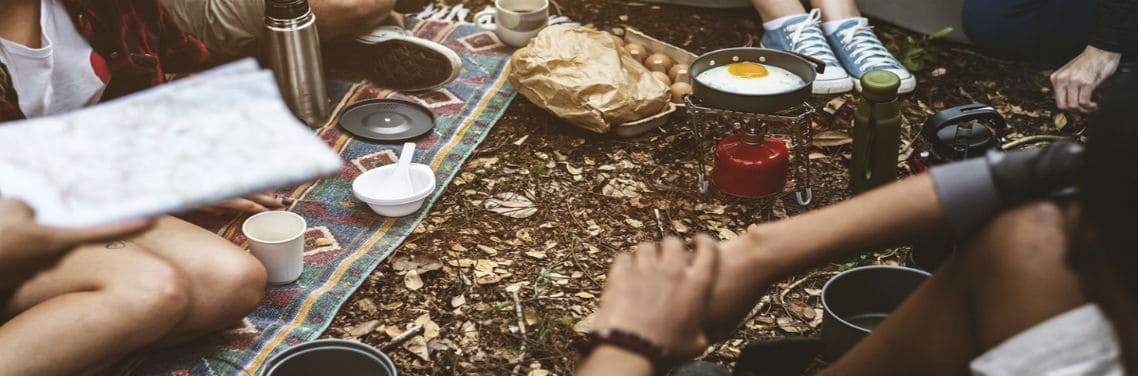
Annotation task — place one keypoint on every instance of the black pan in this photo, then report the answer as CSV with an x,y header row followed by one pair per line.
x,y
801,65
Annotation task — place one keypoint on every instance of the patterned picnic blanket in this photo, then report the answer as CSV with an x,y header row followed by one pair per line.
x,y
345,240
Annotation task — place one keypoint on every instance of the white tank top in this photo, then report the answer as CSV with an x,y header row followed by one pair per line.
x,y
59,76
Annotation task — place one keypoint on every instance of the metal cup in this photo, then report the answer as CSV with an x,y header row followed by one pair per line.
x,y
858,299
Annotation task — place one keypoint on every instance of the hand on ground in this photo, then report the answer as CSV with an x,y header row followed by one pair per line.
x,y
254,203
26,247
1076,81
660,292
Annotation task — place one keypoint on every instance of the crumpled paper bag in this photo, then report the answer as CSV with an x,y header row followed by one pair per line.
x,y
583,76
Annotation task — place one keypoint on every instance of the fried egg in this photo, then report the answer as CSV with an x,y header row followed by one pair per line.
x,y
750,78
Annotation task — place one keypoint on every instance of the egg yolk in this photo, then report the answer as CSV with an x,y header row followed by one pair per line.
x,y
747,70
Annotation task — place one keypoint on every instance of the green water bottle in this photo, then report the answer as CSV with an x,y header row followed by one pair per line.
x,y
876,132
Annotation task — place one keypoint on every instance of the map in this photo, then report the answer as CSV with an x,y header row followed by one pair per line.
x,y
191,142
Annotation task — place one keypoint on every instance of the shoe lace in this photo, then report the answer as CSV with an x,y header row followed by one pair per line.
x,y
807,39
866,50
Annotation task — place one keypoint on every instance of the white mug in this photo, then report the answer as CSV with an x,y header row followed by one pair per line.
x,y
515,21
277,239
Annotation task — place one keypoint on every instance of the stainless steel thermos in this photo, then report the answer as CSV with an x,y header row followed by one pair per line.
x,y
294,56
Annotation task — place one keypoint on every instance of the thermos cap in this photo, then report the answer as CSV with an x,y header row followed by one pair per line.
x,y
880,85
285,9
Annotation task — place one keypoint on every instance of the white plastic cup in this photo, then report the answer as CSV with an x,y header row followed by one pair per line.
x,y
277,239
515,21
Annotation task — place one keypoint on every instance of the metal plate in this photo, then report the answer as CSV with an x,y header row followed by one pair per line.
x,y
387,120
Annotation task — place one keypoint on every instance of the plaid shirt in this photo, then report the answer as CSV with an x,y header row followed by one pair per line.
x,y
139,42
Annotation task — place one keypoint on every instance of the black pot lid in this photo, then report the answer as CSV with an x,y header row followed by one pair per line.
x,y
387,120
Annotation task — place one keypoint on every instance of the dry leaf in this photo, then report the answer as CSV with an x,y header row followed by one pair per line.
x,y
430,328
834,105
680,227
418,346
367,305
1060,121
586,324
778,209
488,249
412,280
584,295
536,254
634,223
832,138
363,329
458,301
727,234
572,170
538,372
391,306
938,72
789,325
511,205
806,313
421,264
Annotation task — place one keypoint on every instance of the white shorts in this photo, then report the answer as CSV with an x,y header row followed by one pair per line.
x,y
1078,342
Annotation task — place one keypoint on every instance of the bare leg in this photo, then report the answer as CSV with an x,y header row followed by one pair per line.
x,y
1011,278
772,9
102,301
836,9
338,19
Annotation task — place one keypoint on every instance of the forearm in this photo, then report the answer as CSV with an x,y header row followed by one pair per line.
x,y
892,215
611,360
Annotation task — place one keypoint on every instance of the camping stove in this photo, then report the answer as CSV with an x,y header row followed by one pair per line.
x,y
756,150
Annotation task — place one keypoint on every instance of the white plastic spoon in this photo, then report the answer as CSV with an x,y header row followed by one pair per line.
x,y
398,184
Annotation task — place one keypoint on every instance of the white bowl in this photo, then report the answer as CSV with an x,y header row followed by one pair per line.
x,y
367,188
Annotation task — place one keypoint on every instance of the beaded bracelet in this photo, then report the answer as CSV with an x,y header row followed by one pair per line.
x,y
624,340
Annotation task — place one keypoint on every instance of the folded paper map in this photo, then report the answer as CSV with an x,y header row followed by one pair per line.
x,y
196,141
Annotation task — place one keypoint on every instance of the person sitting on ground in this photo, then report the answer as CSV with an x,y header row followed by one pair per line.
x,y
388,53
1089,38
834,32
1042,285
168,283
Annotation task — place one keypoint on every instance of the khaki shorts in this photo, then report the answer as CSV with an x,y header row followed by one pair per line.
x,y
229,28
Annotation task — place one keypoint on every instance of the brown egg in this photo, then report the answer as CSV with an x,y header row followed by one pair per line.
x,y
619,41
676,69
662,77
678,91
637,51
658,62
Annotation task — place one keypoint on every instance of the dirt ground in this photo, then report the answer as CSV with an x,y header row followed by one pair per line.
x,y
500,295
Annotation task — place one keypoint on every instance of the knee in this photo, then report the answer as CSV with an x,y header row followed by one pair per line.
x,y
155,293
242,279
1026,235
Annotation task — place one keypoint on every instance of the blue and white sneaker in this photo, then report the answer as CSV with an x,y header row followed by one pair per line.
x,y
860,51
801,34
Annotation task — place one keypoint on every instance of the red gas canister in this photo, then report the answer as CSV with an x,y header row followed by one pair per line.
x,y
750,165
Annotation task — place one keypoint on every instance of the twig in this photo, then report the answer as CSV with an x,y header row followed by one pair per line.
x,y
1033,139
782,296
521,328
659,223
402,337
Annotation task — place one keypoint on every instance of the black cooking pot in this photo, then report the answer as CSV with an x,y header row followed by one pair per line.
x,y
801,65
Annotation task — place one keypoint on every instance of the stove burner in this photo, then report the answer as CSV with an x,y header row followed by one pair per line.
x,y
797,117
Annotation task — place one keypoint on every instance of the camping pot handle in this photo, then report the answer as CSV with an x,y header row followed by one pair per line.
x,y
819,65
